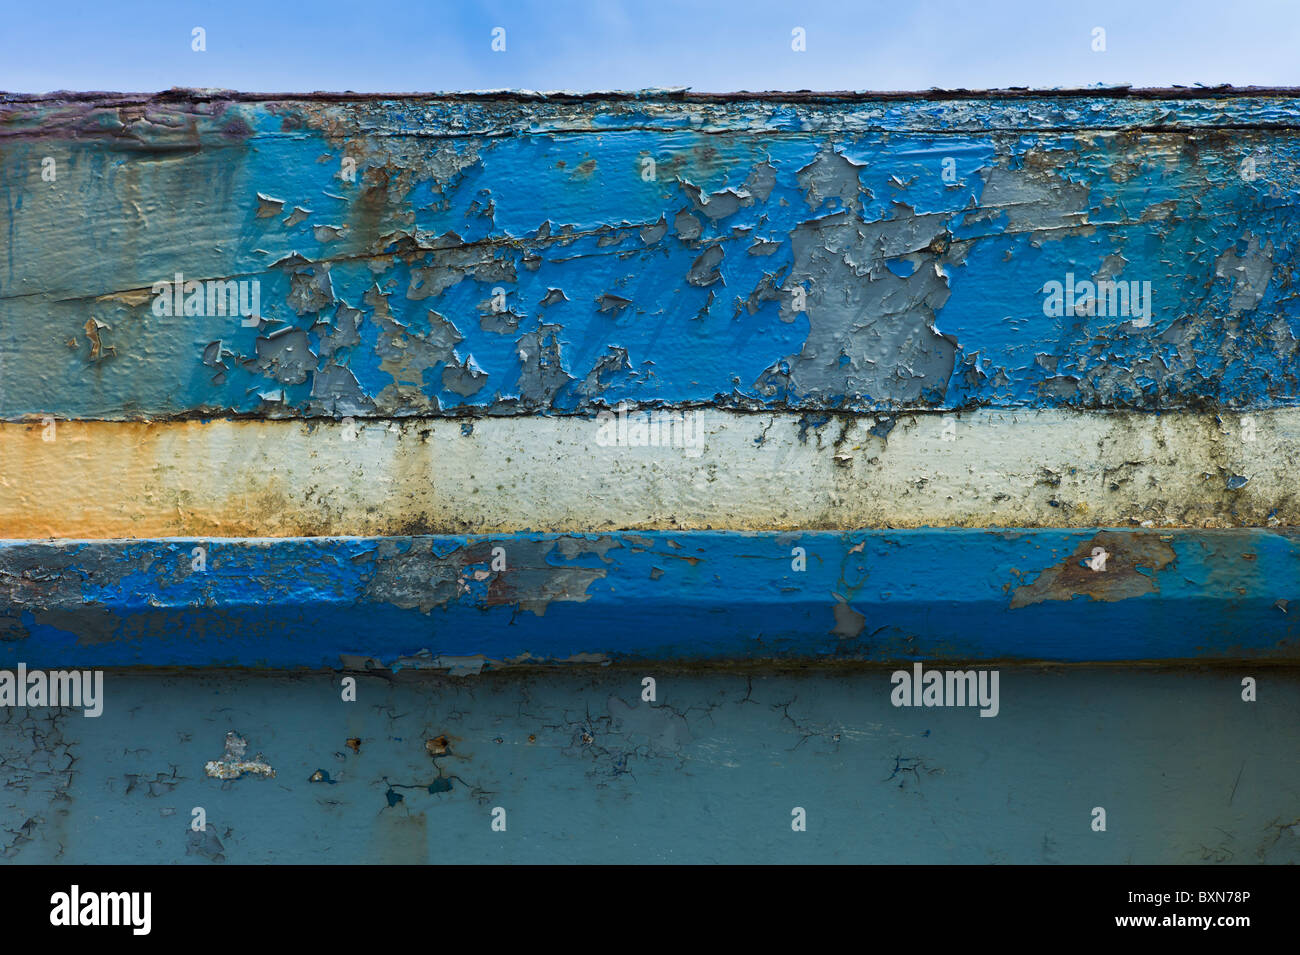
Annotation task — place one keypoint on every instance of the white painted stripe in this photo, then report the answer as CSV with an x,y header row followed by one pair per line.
x,y
754,471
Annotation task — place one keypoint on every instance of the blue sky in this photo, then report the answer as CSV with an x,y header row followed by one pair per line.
x,y
708,45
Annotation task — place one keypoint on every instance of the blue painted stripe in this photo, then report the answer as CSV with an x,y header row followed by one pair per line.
x,y
696,596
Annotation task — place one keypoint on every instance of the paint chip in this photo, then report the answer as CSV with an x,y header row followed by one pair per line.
x,y
268,207
233,764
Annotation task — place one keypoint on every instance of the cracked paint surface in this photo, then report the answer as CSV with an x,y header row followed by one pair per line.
x,y
706,596
39,768
586,770
506,255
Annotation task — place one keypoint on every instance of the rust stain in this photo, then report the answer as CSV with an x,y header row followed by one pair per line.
x,y
1130,568
98,349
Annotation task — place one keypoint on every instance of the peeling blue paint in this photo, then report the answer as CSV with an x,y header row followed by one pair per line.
x,y
921,292
702,596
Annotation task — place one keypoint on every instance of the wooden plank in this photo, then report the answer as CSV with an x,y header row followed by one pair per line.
x,y
697,597
586,770
513,255
647,469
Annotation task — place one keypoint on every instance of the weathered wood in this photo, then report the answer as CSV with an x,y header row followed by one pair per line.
x,y
854,297
588,771
648,469
701,596
612,280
